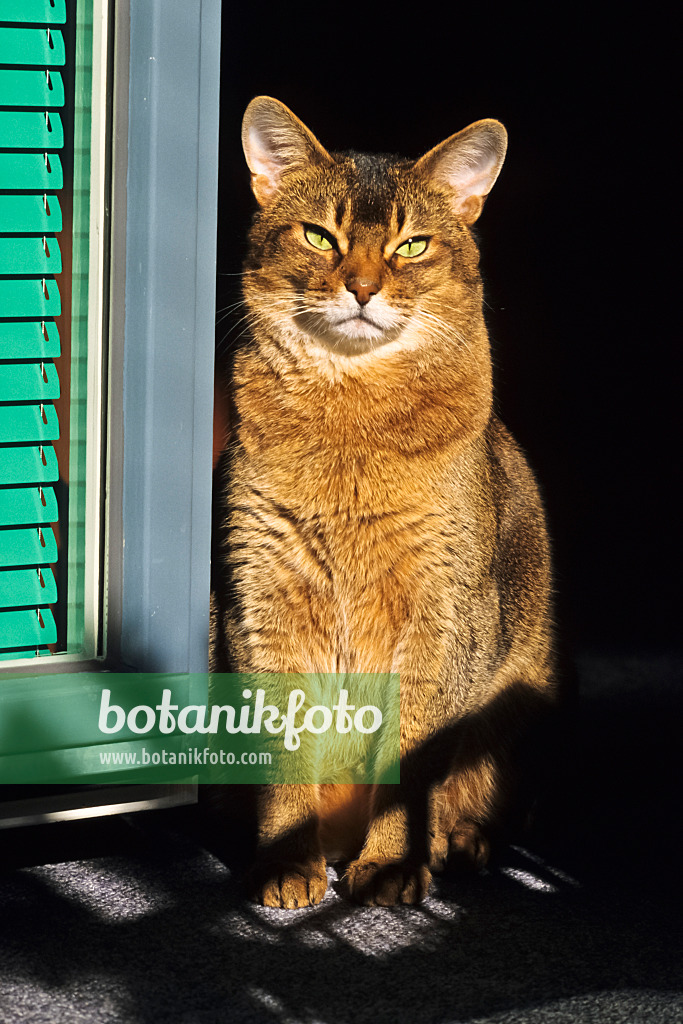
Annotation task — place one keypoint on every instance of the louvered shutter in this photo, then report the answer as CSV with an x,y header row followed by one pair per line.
x,y
31,136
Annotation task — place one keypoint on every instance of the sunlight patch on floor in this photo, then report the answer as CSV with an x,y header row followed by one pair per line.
x,y
527,879
373,931
555,872
102,890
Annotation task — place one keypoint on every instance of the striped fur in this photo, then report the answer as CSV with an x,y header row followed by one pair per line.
x,y
372,513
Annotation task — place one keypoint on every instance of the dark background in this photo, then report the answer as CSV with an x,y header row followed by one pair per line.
x,y
577,239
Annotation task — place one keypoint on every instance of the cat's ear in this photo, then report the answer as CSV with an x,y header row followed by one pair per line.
x,y
275,141
469,163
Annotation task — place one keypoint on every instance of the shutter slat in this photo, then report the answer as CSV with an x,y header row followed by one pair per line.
x,y
23,628
28,382
28,423
30,256
27,215
47,12
34,88
28,464
23,506
25,340
30,129
29,298
22,587
32,46
30,171
28,546
11,655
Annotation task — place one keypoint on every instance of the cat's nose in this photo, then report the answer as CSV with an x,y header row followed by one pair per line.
x,y
363,288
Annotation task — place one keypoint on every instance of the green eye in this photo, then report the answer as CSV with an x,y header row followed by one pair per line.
x,y
413,247
318,237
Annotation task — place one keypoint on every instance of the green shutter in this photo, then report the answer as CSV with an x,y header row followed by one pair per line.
x,y
31,134
43,12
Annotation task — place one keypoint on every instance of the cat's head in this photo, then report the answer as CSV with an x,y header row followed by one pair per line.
x,y
351,252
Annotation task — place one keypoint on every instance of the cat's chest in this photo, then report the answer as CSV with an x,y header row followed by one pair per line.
x,y
355,520
368,445
351,573
361,581
350,551
358,569
356,496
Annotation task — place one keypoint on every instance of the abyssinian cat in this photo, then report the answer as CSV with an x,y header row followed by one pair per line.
x,y
374,514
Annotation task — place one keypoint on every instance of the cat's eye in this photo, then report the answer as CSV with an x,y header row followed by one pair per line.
x,y
319,238
413,247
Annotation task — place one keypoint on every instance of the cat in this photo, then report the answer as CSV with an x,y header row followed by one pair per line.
x,y
373,513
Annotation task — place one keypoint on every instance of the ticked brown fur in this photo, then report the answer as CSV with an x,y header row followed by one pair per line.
x,y
374,515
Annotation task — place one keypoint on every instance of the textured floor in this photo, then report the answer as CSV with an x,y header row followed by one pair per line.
x,y
132,920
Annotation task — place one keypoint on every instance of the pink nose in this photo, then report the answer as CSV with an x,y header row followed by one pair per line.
x,y
363,289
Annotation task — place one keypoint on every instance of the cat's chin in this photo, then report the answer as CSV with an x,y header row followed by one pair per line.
x,y
343,345
351,337
349,346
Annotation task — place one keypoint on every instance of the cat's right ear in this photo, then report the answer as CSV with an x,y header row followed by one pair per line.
x,y
276,141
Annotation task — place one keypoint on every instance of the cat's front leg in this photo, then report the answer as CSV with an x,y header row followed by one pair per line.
x,y
393,865
289,871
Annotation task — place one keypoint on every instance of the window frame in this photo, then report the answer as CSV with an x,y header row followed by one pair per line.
x,y
157,408
159,549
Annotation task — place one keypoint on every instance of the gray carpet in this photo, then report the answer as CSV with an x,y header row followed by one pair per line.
x,y
134,920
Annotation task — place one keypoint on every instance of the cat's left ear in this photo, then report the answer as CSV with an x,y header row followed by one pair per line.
x,y
468,163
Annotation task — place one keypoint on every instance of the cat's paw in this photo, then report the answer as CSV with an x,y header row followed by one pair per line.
x,y
386,883
438,853
468,849
288,885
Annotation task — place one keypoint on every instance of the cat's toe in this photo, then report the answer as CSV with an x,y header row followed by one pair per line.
x,y
288,886
386,883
